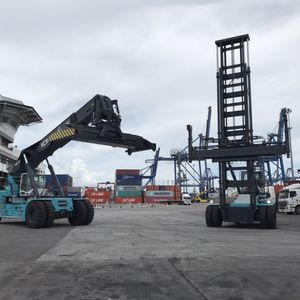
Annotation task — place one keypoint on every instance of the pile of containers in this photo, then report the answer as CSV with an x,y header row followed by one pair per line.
x,y
128,188
65,180
162,194
97,196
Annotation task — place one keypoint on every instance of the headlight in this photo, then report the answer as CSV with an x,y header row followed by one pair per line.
x,y
269,201
211,201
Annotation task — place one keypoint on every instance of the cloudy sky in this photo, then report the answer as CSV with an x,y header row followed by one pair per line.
x,y
156,57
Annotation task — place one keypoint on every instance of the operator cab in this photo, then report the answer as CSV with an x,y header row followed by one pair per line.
x,y
26,189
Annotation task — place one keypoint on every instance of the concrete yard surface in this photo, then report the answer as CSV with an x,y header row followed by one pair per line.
x,y
159,252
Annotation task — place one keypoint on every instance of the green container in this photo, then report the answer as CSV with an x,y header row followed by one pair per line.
x,y
129,194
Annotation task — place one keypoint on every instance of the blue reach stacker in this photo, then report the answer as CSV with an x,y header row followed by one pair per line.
x,y
24,197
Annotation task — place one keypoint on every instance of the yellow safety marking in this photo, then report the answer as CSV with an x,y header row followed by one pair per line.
x,y
61,134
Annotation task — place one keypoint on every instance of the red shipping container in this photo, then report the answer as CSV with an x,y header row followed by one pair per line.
x,y
119,200
95,201
163,188
278,188
127,172
160,199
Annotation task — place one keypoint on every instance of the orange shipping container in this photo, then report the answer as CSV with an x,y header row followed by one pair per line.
x,y
119,200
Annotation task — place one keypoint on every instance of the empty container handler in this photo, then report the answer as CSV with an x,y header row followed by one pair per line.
x,y
128,180
130,194
128,200
127,172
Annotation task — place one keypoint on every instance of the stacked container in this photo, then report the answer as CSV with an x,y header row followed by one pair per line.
x,y
162,194
65,180
74,192
128,186
97,196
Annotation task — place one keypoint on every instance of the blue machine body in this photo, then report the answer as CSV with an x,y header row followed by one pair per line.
x,y
12,206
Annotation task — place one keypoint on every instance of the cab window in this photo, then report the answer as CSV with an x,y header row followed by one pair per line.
x,y
293,194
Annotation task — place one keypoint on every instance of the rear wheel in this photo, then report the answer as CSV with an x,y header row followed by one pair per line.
x,y
50,214
79,214
268,218
36,214
213,216
208,215
89,212
263,217
272,218
217,216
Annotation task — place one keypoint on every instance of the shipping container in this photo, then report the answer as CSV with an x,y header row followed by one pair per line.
x,y
175,188
128,200
97,196
74,189
127,172
130,194
128,187
74,194
128,180
64,180
159,194
168,200
98,200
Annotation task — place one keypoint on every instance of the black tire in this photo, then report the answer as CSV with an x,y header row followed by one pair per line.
x,y
50,213
90,212
263,217
208,216
216,216
272,217
297,210
79,214
36,214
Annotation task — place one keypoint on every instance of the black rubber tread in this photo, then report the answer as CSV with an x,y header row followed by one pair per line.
x,y
297,210
79,214
263,217
36,214
216,216
90,212
50,213
272,217
208,216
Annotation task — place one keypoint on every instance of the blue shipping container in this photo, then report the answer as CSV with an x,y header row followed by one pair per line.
x,y
128,180
64,180
74,194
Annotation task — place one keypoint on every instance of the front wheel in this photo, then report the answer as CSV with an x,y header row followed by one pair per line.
x,y
297,210
36,214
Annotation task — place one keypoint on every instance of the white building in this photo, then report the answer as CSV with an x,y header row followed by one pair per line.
x,y
13,114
